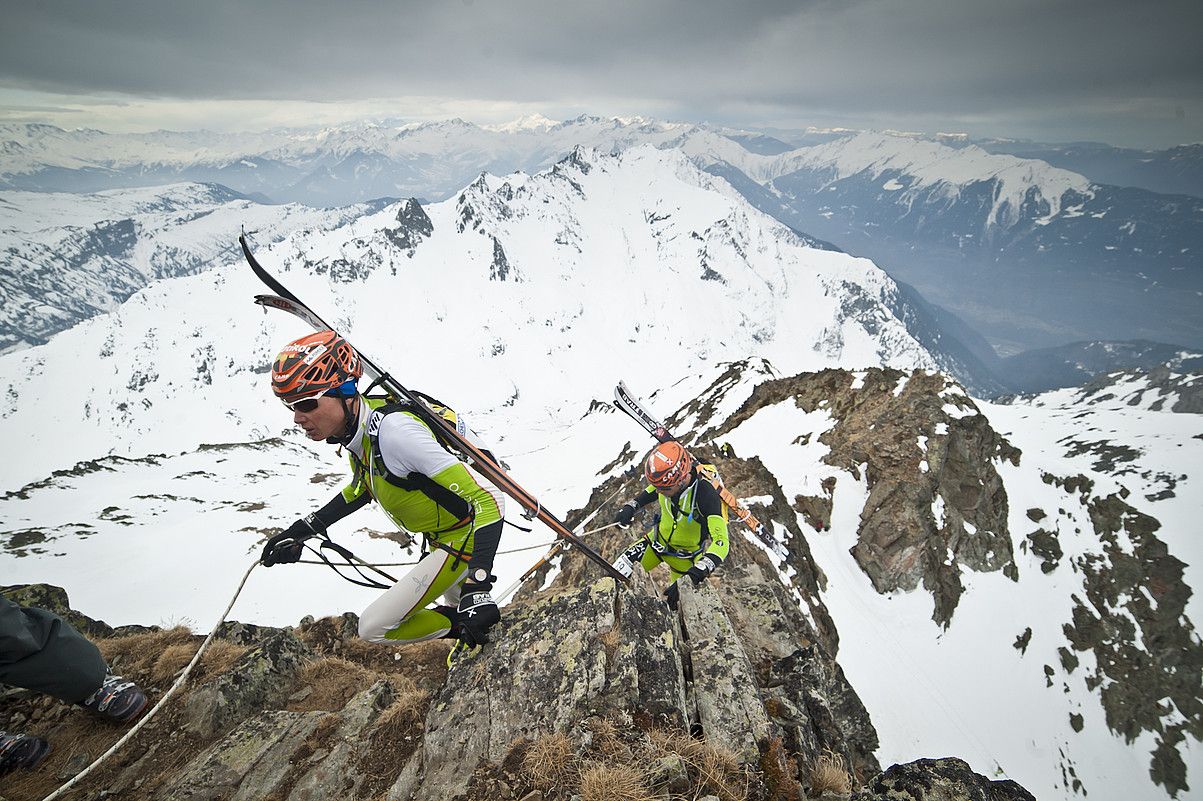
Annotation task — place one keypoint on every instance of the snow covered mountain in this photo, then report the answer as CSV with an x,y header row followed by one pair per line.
x,y
1029,254
68,257
1173,171
1011,582
566,279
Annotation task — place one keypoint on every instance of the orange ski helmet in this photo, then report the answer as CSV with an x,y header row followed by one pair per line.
x,y
313,365
667,466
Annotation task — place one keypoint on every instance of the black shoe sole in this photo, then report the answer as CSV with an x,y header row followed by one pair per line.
x,y
31,760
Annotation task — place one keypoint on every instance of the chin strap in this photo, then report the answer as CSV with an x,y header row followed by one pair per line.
x,y
349,427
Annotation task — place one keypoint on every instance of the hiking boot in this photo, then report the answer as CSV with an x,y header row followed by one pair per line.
x,y
118,700
21,751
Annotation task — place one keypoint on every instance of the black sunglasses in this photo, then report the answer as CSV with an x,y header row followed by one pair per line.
x,y
304,406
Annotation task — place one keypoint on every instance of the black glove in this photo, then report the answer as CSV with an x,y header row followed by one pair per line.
x,y
626,514
476,614
286,547
702,568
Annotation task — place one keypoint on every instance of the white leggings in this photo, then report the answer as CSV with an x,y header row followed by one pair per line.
x,y
400,614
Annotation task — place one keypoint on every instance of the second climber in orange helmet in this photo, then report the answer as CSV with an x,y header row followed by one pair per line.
x,y
690,531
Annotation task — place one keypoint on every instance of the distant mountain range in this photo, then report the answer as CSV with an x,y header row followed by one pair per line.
x,y
319,167
1174,171
603,266
1078,363
1027,254
68,257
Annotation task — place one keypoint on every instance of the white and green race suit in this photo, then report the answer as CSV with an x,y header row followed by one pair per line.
x,y
397,445
690,526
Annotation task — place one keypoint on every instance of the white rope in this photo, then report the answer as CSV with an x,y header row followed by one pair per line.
x,y
557,542
556,546
407,564
166,696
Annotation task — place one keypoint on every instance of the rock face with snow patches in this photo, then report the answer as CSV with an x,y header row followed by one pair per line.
x,y
936,503
70,257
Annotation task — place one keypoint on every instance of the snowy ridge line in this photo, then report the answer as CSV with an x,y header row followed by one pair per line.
x,y
932,164
534,142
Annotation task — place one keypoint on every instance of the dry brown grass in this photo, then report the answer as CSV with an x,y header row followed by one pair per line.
x,y
780,772
610,639
219,658
171,661
550,762
332,682
395,734
138,653
830,775
607,740
370,654
405,716
715,768
621,782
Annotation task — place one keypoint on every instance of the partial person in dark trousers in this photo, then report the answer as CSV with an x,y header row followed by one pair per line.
x,y
42,652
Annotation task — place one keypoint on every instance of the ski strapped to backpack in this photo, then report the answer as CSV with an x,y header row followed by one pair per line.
x,y
482,461
625,401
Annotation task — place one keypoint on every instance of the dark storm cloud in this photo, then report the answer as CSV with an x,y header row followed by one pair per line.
x,y
953,59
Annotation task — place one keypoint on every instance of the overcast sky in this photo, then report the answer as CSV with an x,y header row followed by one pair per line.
x,y
1116,71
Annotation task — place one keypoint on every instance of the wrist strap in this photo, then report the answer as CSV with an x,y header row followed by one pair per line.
x,y
315,524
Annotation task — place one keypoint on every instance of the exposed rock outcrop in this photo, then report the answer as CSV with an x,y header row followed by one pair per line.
x,y
936,502
947,779
1149,661
414,226
1159,388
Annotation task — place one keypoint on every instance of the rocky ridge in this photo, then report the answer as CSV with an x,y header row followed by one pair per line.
x,y
589,692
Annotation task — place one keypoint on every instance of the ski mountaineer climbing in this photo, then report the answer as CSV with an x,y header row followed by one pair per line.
x,y
690,532
396,460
